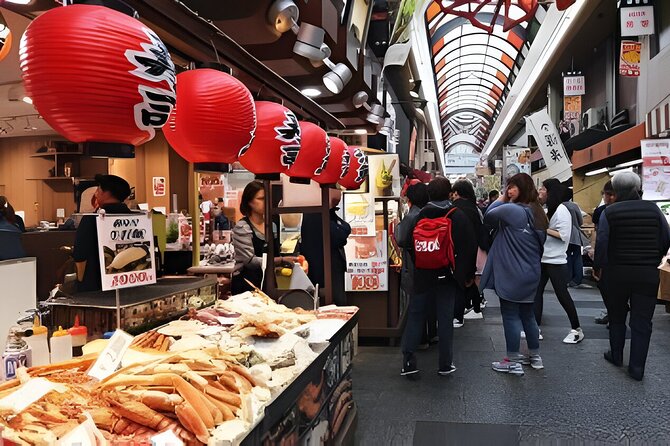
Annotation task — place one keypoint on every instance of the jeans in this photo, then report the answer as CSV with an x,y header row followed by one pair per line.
x,y
559,280
442,296
575,264
517,317
622,294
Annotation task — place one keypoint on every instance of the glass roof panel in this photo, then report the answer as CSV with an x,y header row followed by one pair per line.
x,y
473,69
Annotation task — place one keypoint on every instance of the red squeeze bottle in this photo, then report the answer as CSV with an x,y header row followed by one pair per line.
x,y
79,335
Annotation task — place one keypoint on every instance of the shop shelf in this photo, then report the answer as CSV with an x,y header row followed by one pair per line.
x,y
51,154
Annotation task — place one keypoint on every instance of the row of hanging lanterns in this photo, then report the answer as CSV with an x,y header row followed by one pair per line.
x,y
108,78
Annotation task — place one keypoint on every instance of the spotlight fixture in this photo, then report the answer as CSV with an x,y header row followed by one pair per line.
x,y
283,15
360,99
338,76
311,92
415,86
375,114
309,43
387,127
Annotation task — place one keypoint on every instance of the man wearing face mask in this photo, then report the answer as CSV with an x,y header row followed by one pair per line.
x,y
110,195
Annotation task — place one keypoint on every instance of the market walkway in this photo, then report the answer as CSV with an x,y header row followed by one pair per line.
x,y
578,398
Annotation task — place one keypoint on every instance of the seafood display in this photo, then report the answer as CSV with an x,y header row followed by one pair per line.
x,y
207,379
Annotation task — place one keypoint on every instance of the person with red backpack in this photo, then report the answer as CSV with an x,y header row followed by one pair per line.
x,y
444,251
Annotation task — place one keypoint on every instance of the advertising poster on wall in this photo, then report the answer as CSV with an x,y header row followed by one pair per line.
x,y
384,175
159,186
629,58
126,246
517,160
367,263
359,212
656,169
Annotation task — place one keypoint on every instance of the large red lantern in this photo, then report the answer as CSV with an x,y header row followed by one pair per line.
x,y
95,74
277,142
314,153
214,119
357,172
333,171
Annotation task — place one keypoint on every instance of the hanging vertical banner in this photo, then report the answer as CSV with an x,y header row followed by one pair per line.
x,y
574,86
655,169
126,247
629,59
572,113
549,143
637,21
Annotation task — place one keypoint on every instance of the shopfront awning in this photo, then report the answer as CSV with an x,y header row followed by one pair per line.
x,y
658,120
609,148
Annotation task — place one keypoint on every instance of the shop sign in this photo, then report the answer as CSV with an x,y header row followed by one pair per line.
x,y
637,21
629,59
159,186
574,86
544,131
572,113
367,263
516,161
656,169
126,250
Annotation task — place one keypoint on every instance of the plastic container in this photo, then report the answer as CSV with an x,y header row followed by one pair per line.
x,y
17,353
39,343
79,335
61,346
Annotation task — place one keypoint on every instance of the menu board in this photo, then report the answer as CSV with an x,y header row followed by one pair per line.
x,y
359,212
126,250
367,263
656,169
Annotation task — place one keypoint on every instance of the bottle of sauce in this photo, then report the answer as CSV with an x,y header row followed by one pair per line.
x,y
79,335
61,346
39,343
17,353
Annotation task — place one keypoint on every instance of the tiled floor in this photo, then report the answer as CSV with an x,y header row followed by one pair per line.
x,y
577,399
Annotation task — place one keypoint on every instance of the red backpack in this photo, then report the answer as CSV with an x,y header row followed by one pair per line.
x,y
433,245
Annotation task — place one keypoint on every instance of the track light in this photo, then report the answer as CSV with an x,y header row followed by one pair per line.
x,y
360,99
387,127
283,15
376,114
338,76
310,44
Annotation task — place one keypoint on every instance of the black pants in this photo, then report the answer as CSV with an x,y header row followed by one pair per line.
x,y
558,274
468,298
622,293
443,296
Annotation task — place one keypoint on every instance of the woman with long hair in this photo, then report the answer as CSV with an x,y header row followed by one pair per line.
x,y
555,260
513,268
250,242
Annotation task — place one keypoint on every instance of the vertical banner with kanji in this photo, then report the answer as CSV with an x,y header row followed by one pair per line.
x,y
549,143
629,59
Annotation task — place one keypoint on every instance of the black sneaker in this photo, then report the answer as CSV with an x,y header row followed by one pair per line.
x,y
603,319
409,366
452,369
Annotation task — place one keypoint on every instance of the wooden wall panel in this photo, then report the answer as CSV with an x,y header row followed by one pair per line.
x,y
179,180
156,164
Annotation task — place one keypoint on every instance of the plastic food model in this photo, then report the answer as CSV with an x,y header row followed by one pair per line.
x,y
384,179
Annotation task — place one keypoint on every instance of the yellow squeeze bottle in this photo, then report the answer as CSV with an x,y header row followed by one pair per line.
x,y
38,343
61,346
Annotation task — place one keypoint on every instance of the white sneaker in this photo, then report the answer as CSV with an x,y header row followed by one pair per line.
x,y
523,335
457,323
574,337
473,315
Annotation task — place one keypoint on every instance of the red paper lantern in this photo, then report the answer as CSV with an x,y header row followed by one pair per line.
x,y
333,171
95,74
277,142
357,171
314,153
214,120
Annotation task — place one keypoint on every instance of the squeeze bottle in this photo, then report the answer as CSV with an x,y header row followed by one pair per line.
x,y
39,343
79,334
61,346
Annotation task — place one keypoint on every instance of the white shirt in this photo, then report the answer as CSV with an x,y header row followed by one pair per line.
x,y
555,249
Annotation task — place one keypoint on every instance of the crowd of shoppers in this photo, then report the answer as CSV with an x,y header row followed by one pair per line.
x,y
531,237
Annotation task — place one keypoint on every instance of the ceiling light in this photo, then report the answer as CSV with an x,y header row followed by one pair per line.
x,y
337,78
311,92
27,100
19,2
387,127
414,94
596,172
360,99
376,114
361,132
415,86
310,44
628,164
283,15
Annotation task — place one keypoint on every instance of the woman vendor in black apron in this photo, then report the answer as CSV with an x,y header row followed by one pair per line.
x,y
249,240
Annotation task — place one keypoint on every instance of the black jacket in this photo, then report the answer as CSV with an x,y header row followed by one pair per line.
x,y
465,248
473,213
633,236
